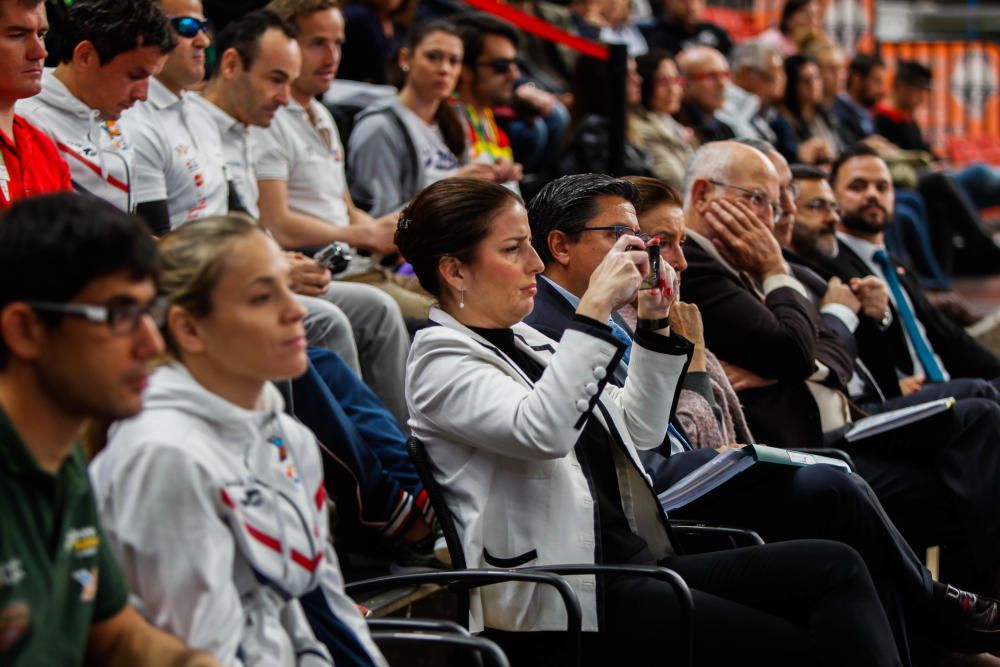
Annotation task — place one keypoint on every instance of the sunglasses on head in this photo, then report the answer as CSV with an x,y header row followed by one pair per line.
x,y
189,26
499,65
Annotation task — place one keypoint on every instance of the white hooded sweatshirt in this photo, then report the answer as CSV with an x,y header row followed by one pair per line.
x,y
98,152
218,517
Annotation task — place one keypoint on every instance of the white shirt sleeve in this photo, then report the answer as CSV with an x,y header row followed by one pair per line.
x,y
271,157
842,313
151,161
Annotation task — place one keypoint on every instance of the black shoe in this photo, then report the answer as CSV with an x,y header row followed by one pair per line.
x,y
970,621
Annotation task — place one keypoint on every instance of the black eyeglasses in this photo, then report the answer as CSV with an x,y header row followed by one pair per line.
x,y
189,26
819,205
620,230
499,65
756,198
122,318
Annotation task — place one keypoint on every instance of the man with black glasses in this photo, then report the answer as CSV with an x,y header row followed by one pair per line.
x,y
78,337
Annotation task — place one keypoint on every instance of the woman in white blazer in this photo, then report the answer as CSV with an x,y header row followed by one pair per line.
x,y
536,454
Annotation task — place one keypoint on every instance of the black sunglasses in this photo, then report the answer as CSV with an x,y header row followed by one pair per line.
x,y
189,26
499,65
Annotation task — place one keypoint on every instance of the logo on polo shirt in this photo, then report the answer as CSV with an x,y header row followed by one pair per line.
x,y
88,583
11,572
83,542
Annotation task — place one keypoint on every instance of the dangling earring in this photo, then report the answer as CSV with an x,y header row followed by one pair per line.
x,y
405,68
461,297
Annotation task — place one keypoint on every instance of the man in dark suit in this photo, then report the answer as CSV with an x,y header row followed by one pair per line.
x,y
920,340
814,243
575,220
938,478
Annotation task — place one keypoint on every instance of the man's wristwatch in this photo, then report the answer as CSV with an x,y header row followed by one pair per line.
x,y
652,325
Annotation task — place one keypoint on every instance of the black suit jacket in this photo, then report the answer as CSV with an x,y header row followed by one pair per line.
x,y
777,338
881,383
553,313
886,350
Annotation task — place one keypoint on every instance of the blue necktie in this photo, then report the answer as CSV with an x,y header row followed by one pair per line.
x,y
920,344
623,336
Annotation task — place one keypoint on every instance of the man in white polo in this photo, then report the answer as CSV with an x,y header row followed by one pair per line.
x,y
258,59
180,168
304,199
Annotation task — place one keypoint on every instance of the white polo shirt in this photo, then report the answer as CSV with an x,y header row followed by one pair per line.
x,y
293,150
179,156
237,150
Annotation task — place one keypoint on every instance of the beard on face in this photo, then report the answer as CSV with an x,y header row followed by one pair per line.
x,y
814,243
856,221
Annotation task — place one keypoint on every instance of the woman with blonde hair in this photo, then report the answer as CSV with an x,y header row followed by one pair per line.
x,y
212,497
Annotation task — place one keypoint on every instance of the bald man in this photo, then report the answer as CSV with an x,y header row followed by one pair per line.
x,y
936,477
705,73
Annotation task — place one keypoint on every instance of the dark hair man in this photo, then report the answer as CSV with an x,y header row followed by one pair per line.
x,y
258,60
78,337
574,222
180,169
921,339
681,26
29,161
910,89
107,52
488,79
865,89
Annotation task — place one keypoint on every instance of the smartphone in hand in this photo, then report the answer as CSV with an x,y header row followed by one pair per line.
x,y
652,279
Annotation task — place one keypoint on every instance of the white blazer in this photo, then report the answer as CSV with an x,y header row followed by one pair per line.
x,y
502,449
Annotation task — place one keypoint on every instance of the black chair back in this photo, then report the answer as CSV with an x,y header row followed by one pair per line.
x,y
418,454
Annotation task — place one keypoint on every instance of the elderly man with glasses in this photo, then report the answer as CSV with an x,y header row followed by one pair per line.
x,y
934,477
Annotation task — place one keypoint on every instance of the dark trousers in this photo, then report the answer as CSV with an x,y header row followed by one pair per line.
x,y
807,602
952,214
939,480
825,503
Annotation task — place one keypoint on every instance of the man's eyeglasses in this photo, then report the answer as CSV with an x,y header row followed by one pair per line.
x,y
189,26
122,318
756,198
823,206
620,230
499,65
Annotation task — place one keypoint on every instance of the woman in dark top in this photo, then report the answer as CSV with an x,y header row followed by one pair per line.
x,y
803,104
536,455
